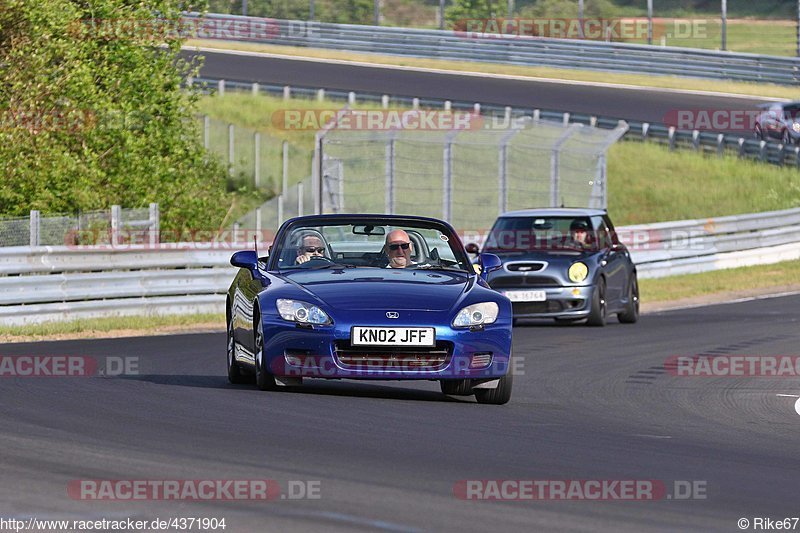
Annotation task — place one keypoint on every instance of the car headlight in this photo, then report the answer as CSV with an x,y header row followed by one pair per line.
x,y
796,127
578,272
476,315
302,312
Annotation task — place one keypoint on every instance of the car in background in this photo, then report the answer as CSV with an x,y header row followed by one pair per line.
x,y
549,270
778,120
340,312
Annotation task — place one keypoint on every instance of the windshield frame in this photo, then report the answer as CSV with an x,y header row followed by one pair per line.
x,y
399,221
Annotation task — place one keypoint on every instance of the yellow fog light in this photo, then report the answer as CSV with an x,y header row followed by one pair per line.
x,y
576,292
578,272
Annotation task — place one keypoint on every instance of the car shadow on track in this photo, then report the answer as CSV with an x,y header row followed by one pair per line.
x,y
318,387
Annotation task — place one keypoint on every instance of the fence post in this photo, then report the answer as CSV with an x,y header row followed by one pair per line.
x,y
741,147
206,131
35,225
116,223
258,222
645,130
284,166
351,98
155,224
255,88
415,103
671,136
720,144
555,155
390,177
300,199
448,105
566,119
320,95
385,101
221,88
502,194
537,113
257,160
280,209
447,177
230,148
696,139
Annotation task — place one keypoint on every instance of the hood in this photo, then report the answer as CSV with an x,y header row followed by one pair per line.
x,y
382,288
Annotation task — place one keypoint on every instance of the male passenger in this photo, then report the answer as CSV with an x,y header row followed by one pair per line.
x,y
310,246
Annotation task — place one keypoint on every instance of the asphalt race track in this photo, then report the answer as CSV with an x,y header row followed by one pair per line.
x,y
588,404
629,104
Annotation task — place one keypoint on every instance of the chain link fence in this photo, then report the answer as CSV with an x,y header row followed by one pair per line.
x,y
466,177
89,227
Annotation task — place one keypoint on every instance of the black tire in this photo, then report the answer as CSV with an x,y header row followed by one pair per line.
x,y
235,373
631,313
499,396
456,387
599,312
264,379
758,133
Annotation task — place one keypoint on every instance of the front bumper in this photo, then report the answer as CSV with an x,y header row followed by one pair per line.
x,y
561,302
325,352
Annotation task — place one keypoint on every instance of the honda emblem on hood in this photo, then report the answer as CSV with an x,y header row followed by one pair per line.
x,y
392,314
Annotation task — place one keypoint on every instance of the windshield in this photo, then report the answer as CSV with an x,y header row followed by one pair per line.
x,y
369,243
523,234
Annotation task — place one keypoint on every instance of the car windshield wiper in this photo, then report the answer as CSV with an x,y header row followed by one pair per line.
x,y
331,265
440,267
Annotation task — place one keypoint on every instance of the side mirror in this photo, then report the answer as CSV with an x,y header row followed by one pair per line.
x,y
245,259
489,263
472,248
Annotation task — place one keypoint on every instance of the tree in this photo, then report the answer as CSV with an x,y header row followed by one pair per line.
x,y
462,10
93,113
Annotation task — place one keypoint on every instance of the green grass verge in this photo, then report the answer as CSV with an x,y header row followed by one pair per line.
x,y
672,288
120,325
765,90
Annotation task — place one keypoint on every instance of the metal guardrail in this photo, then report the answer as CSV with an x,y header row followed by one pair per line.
x,y
520,50
62,283
701,141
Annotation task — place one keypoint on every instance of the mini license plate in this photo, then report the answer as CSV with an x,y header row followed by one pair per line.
x,y
526,296
374,336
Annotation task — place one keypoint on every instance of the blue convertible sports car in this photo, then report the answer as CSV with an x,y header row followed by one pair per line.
x,y
375,297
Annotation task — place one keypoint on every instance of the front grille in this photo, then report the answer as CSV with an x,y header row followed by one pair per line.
x,y
398,358
525,267
526,308
507,282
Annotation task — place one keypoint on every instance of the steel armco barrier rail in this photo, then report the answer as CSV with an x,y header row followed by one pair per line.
x,y
527,51
40,284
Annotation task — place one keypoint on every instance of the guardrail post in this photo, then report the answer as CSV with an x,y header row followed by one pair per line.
x,y
206,131
35,228
741,147
390,154
257,160
255,88
155,224
797,156
781,154
116,223
696,139
351,98
671,137
476,108
762,151
536,115
230,148
221,88
566,119
287,92
448,105
593,121
721,144
385,101
415,103
645,130
320,95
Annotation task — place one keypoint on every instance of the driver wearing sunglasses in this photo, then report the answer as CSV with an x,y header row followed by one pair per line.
x,y
311,246
398,248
